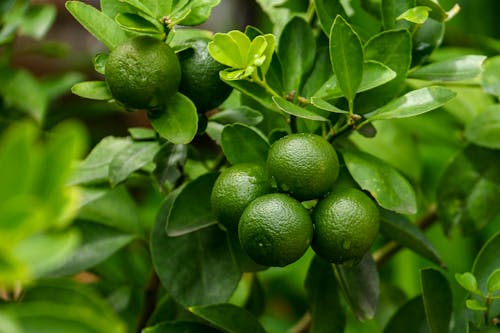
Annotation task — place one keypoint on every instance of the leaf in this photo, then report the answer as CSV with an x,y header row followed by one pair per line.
x,y
98,242
200,11
37,20
469,189
179,327
411,312
414,103
327,313
416,15
240,114
327,11
490,78
254,91
169,162
346,54
229,318
243,144
360,285
391,9
493,283
141,133
98,24
457,69
178,121
437,296
324,105
136,23
487,261
184,217
437,12
230,48
407,234
387,186
468,281
426,38
296,51
484,129
295,110
474,304
196,268
130,159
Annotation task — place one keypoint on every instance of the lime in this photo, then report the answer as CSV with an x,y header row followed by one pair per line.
x,y
275,230
200,76
304,165
143,73
235,188
346,224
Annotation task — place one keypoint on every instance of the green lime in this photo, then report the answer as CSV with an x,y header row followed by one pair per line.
x,y
200,76
346,224
143,72
304,165
235,188
275,230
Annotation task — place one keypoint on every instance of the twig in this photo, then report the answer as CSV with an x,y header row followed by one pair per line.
x,y
150,298
303,325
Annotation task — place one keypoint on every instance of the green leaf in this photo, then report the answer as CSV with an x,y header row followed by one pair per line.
x,y
437,12
229,318
469,189
416,15
438,303
457,69
490,78
169,162
295,110
324,105
130,159
468,281
487,261
137,23
346,54
200,11
240,114
327,313
98,242
97,23
426,38
391,9
230,48
196,268
296,51
179,327
360,285
327,11
177,121
141,133
184,217
414,103
254,91
97,90
411,312
243,144
493,283
484,129
37,20
389,188
474,304
407,234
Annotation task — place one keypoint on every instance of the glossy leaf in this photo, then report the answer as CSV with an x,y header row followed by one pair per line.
x,y
487,261
427,37
136,23
295,110
327,11
391,9
437,297
327,313
468,190
169,162
437,12
196,268
296,51
360,285
491,76
388,187
200,11
484,129
241,114
229,318
93,90
468,281
457,69
98,242
177,121
414,103
324,105
346,54
493,283
411,312
243,144
184,217
230,49
417,14
179,327
97,23
407,234
132,158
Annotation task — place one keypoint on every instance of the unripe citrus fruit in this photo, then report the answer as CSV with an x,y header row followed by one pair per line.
x,y
275,230
200,76
304,165
235,188
346,224
143,72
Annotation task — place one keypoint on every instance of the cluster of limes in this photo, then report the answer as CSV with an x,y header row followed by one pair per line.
x,y
144,73
262,203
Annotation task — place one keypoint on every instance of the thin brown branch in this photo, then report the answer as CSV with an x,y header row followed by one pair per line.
x,y
303,325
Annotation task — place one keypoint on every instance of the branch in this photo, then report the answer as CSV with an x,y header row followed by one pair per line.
x,y
150,298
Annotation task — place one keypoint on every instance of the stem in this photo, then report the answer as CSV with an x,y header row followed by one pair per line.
x,y
263,84
303,325
311,10
150,298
